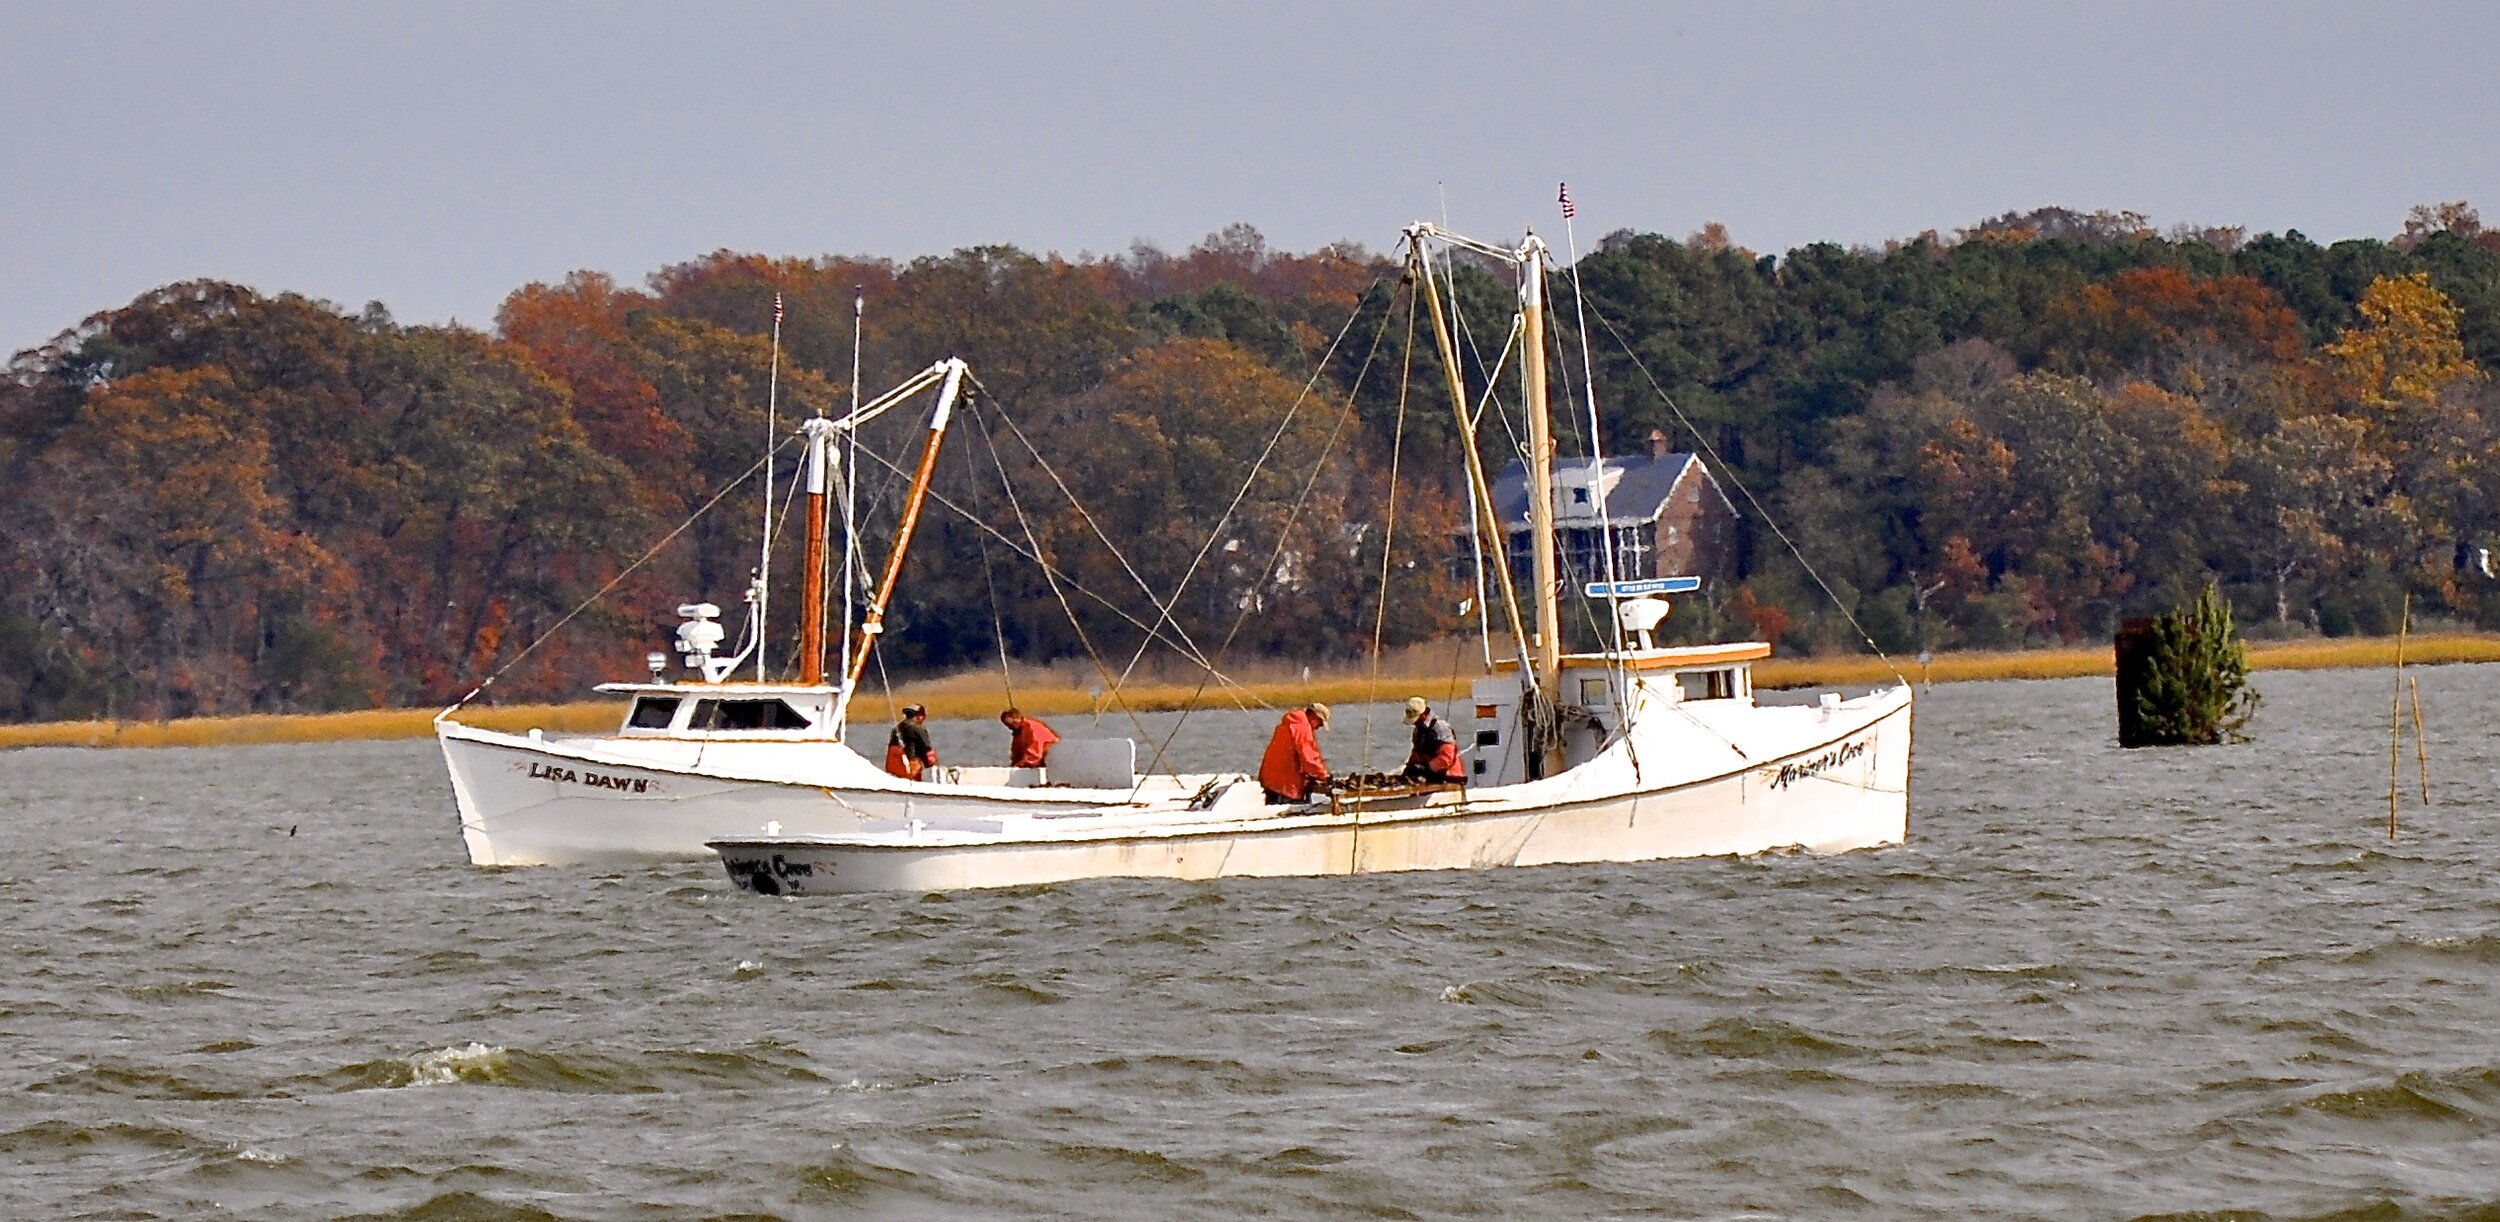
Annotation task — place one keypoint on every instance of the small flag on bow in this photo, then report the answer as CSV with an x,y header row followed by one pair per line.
x,y
1565,198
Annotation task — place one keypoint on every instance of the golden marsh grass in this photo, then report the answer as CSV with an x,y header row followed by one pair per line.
x,y
1433,672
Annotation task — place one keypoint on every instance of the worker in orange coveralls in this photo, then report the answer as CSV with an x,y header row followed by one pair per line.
x,y
1293,761
1030,741
1435,757
908,750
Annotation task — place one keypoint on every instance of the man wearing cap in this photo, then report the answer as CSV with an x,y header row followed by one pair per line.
x,y
1028,740
1293,761
907,749
1435,754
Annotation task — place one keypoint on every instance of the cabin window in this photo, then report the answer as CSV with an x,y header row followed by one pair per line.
x,y
1579,496
1592,692
1708,684
1488,738
653,713
747,715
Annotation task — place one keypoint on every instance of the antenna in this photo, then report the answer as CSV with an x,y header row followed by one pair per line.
x,y
850,480
772,435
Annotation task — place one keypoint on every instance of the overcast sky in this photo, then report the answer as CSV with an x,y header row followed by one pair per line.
x,y
436,156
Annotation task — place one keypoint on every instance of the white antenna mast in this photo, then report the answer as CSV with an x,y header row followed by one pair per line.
x,y
850,480
1588,387
772,437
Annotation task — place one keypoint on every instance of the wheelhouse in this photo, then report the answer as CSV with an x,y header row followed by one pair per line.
x,y
1594,707
726,710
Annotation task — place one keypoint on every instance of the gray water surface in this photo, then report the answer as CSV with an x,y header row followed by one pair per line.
x,y
263,983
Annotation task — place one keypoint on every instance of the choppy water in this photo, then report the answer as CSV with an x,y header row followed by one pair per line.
x,y
2095,984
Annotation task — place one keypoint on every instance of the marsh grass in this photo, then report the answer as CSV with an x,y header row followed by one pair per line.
x,y
1439,673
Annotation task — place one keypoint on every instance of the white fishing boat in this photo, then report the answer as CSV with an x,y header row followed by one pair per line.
x,y
1629,753
714,755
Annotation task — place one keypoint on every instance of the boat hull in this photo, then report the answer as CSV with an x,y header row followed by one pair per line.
x,y
524,801
1848,791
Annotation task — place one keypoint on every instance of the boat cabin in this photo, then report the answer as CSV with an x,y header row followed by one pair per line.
x,y
1593,705
765,711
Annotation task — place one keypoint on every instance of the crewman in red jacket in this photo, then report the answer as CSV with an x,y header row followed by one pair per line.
x,y
1029,741
1293,761
1435,755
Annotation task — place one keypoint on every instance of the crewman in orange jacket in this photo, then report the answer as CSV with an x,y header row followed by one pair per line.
x,y
1029,743
1293,761
908,750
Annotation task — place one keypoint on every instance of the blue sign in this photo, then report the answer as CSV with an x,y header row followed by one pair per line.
x,y
1634,589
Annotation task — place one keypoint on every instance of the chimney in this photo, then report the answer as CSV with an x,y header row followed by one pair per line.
x,y
1657,443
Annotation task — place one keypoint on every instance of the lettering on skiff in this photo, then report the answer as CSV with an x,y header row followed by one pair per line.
x,y
589,779
1790,773
764,875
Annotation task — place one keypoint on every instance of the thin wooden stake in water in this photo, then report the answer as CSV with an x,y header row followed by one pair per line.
x,y
2395,724
2421,748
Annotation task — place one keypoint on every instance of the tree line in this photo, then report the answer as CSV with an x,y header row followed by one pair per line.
x,y
228,501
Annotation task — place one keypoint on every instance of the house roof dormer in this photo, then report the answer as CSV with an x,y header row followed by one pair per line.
x,y
1636,489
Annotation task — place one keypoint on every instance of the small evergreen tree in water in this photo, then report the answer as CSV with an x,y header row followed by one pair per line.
x,y
2183,678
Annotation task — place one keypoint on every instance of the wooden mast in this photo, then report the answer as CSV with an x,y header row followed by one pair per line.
x,y
1545,754
873,621
812,597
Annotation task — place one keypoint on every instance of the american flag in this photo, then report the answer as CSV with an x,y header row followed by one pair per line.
x,y
1565,198
776,310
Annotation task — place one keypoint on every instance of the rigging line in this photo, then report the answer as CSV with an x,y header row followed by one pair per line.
x,y
1163,609
1597,462
1026,524
1389,526
1750,499
1476,513
1018,549
1284,534
613,582
1619,692
1190,648
989,576
796,486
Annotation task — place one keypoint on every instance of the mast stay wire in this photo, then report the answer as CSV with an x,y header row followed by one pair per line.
x,y
1163,608
1284,535
1750,499
613,582
1050,570
1389,526
989,574
1189,646
1026,524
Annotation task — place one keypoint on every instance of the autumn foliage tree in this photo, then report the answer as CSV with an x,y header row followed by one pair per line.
x,y
2020,431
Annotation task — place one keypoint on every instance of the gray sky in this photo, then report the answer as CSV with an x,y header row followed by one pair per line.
x,y
436,156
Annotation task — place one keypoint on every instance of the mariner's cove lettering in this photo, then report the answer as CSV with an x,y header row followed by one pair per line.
x,y
594,780
1787,774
